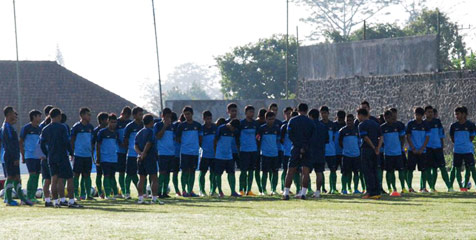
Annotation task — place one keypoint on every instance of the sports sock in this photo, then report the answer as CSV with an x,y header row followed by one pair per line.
x,y
9,190
473,173
29,184
76,186
212,182
218,182
444,175
99,184
165,186
115,191
274,179
356,181
258,180
459,178
303,191
333,180
343,182
249,181
243,177
107,186
161,184
122,182
401,176
410,178
127,184
232,182
82,186
286,191
264,179
191,181
184,181
362,181
283,179
175,182
323,182
201,181
87,183
467,176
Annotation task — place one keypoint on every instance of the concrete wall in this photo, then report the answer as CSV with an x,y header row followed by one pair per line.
x,y
369,58
218,107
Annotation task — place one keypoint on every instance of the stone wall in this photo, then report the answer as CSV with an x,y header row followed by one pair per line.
x,y
444,91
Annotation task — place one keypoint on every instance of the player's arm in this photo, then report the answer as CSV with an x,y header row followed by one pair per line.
x,y
147,147
43,141
98,153
178,136
127,134
452,134
410,143
138,151
22,145
341,140
282,134
160,133
9,148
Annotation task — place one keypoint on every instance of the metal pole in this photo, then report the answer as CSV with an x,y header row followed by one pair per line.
x,y
438,36
287,47
365,30
17,66
158,62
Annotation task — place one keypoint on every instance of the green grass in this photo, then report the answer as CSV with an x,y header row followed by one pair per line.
x,y
413,216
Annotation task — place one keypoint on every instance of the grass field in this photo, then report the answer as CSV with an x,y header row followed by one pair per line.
x,y
413,216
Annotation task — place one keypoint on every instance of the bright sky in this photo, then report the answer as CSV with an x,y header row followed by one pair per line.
x,y
111,42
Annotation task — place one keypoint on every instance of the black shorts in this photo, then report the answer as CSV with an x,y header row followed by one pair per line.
x,y
435,157
319,167
415,160
339,159
381,161
224,165
121,162
61,169
393,163
458,159
131,166
175,164
285,163
300,160
82,165
11,169
331,163
165,162
109,169
236,159
45,169
350,164
248,161
269,164
405,160
188,162
99,170
205,164
147,166
33,165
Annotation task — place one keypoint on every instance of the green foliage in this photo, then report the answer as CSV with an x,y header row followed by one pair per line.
x,y
376,31
257,70
470,62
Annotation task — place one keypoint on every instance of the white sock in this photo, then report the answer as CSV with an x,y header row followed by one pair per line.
x,y
63,199
141,198
71,200
47,200
286,191
304,191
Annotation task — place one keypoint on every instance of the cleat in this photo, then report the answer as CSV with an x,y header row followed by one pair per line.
x,y
65,204
316,195
82,198
344,192
90,199
119,196
411,190
212,194
178,194
285,197
357,192
463,189
141,202
451,190
433,190
366,196
261,194
250,193
192,194
102,196
242,193
157,202
202,194
395,194
166,196
298,196
265,193
324,190
110,198
34,200
57,205
27,202
49,204
303,197
221,195
310,192
235,194
184,194
12,203
376,197
75,205
127,197
423,190
273,193
404,190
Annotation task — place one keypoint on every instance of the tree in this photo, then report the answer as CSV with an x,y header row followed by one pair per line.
x,y
413,8
376,31
59,56
341,16
257,70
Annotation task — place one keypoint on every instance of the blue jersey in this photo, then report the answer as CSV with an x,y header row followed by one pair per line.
x,y
269,138
224,137
55,143
418,133
332,131
234,146
120,128
436,133
300,131
339,126
84,138
130,133
144,136
391,138
286,142
31,141
248,131
208,141
189,135
370,129
108,140
11,145
349,139
165,145
462,135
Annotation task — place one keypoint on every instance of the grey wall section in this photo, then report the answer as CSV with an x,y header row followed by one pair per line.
x,y
218,107
369,58
445,91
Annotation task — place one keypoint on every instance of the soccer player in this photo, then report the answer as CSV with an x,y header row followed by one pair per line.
x,y
102,118
31,153
434,150
418,136
268,140
175,165
349,143
462,133
319,140
189,135
164,133
232,110
330,148
56,145
224,155
261,119
340,123
130,133
45,169
145,146
11,157
249,155
47,119
300,130
106,156
208,152
286,146
81,143
273,107
393,135
122,122
372,140
401,125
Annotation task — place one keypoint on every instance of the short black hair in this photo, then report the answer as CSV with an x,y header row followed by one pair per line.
x,y
324,109
112,116
174,117
273,105
429,107
287,109
363,112
64,118
182,117
293,114
419,111
435,111
314,113
269,114
55,112
387,113
220,121
249,108
102,116
33,113
231,105
365,103
126,110
340,114
137,110
148,118
302,107
235,123
187,109
394,110
47,109
262,112
350,116
7,110
84,110
461,109
206,114
166,111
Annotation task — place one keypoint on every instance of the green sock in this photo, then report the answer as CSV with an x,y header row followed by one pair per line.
x,y
343,182
99,184
297,182
218,182
107,186
249,182
191,181
161,182
467,176
410,178
128,184
380,176
184,181
87,183
232,182
362,181
258,180
424,179
8,190
275,181
394,181
175,182
82,186
453,176
35,184
459,178
323,183
444,175
165,187
356,181
201,181
144,188
122,182
333,180
283,179
76,186
115,191
388,177
29,187
264,179
19,191
401,176
212,182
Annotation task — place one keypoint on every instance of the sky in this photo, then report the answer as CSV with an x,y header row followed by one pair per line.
x,y
111,42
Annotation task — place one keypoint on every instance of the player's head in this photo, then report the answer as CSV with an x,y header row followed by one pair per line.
x,y
419,113
167,113
188,113
461,113
262,113
429,114
435,112
220,121
55,115
287,113
349,120
35,117
395,113
64,118
232,110
47,110
324,111
126,112
85,114
137,114
10,114
112,121
314,114
388,115
273,107
362,114
174,117
207,117
234,124
341,115
270,116
365,105
102,119
249,112
302,108
148,120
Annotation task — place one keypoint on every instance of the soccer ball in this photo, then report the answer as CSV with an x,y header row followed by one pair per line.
x,y
39,193
94,192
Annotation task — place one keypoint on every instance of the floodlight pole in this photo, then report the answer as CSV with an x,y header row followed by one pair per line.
x,y
158,62
19,107
287,47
